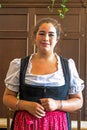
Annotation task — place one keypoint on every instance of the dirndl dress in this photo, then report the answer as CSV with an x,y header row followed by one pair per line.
x,y
54,120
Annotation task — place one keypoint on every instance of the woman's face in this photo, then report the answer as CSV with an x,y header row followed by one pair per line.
x,y
46,38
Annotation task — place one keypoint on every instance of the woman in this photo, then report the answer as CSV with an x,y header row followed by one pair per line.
x,y
48,87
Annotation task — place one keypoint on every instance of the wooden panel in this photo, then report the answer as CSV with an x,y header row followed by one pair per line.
x,y
13,34
31,1
38,1
9,49
13,43
70,49
19,20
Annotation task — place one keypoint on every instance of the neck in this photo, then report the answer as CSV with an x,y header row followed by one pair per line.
x,y
45,56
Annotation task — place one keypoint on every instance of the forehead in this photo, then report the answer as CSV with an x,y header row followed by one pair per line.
x,y
47,27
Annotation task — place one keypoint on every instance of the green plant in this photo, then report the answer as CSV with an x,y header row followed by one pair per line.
x,y
0,5
62,7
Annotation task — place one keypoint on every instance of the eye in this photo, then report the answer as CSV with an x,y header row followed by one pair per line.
x,y
51,34
41,33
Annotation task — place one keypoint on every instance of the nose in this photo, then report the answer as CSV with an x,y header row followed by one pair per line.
x,y
46,37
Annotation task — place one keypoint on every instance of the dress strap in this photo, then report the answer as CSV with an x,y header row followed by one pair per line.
x,y
65,67
23,67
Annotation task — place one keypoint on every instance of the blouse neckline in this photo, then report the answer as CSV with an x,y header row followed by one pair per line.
x,y
30,64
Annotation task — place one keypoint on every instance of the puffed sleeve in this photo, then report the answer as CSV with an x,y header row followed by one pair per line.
x,y
76,83
12,77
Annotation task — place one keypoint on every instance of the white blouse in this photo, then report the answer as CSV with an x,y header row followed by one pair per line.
x,y
53,79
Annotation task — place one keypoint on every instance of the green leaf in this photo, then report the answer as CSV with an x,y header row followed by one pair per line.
x,y
49,7
0,5
61,15
53,1
66,10
59,11
64,1
62,5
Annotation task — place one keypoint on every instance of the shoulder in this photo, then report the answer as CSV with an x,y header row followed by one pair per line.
x,y
15,63
71,61
72,65
25,59
61,58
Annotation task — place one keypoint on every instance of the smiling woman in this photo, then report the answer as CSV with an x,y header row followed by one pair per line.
x,y
48,87
46,37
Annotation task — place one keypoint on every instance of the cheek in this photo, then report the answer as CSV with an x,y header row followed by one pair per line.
x,y
38,38
54,40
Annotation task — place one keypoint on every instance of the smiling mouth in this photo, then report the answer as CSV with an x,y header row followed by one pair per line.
x,y
45,44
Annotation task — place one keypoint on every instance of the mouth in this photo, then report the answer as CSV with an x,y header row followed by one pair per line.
x,y
45,44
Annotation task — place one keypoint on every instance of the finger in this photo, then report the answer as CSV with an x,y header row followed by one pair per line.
x,y
41,108
39,114
40,111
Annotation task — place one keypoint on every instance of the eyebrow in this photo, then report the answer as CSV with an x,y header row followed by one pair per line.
x,y
44,31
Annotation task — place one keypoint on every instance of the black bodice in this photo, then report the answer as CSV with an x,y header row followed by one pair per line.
x,y
34,93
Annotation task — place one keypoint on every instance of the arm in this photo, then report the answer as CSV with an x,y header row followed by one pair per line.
x,y
74,103
10,100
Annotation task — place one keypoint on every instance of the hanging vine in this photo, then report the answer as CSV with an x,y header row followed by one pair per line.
x,y
63,8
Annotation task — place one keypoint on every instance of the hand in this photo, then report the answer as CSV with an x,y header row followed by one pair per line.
x,y
49,104
36,109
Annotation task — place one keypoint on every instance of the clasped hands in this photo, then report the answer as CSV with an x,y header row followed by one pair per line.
x,y
47,104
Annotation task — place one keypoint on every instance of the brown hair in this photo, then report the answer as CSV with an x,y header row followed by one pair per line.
x,y
48,20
